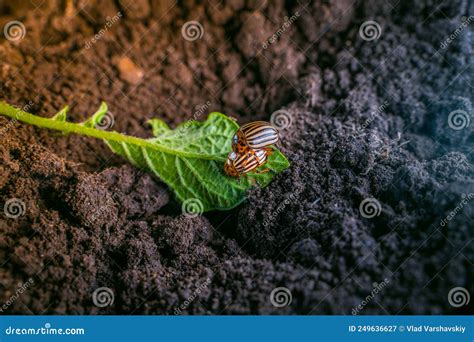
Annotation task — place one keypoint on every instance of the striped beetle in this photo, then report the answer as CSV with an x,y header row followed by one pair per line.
x,y
237,165
253,136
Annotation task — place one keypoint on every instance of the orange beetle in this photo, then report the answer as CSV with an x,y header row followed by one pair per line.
x,y
254,136
237,165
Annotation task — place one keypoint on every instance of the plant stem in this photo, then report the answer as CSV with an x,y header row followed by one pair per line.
x,y
68,127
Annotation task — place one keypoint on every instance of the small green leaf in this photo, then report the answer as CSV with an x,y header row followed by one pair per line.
x,y
95,119
61,115
158,126
189,159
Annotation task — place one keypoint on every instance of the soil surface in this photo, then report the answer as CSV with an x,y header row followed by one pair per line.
x,y
367,122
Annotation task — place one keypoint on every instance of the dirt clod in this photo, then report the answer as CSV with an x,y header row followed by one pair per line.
x,y
128,70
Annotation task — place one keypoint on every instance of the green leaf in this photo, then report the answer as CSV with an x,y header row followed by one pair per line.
x,y
95,119
158,126
189,159
61,115
194,165
209,140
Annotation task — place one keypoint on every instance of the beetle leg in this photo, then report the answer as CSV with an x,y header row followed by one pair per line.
x,y
268,150
252,181
240,176
262,171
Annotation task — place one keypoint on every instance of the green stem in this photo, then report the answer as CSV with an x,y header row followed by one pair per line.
x,y
68,127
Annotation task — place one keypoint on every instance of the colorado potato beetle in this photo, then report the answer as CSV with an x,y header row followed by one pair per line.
x,y
253,136
238,165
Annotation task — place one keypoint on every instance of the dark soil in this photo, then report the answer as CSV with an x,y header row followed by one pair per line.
x,y
93,221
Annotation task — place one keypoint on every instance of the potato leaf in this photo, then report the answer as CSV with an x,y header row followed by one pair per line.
x,y
189,158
